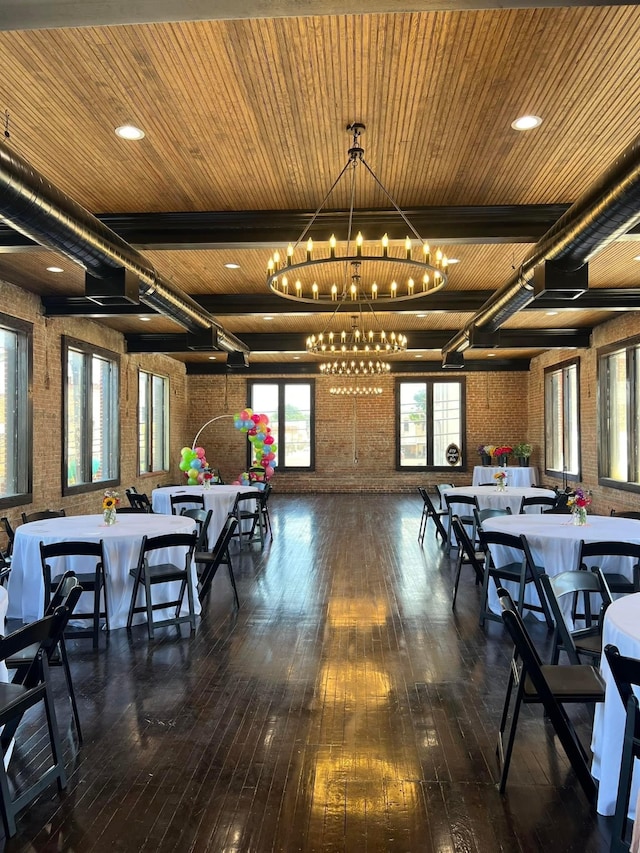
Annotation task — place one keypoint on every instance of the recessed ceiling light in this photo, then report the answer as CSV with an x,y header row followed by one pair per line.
x,y
637,258
453,260
421,316
232,266
296,358
145,319
525,123
267,318
212,358
55,269
551,313
418,355
129,131
491,355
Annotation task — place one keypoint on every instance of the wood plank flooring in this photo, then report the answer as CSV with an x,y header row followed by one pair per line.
x,y
343,708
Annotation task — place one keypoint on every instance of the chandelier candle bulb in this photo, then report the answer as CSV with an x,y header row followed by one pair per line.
x,y
314,290
394,289
298,287
359,245
439,258
332,245
334,292
410,285
407,246
426,251
374,291
309,248
289,254
425,283
385,246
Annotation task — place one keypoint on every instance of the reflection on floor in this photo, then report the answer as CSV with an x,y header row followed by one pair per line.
x,y
344,708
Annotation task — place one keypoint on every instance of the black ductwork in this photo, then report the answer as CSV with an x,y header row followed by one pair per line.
x,y
35,208
605,212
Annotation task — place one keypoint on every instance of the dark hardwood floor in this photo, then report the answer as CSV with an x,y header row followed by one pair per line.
x,y
343,708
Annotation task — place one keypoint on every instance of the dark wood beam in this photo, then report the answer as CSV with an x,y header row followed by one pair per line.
x,y
49,14
397,367
527,338
269,228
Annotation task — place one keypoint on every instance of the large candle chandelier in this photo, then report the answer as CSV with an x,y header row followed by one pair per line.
x,y
387,274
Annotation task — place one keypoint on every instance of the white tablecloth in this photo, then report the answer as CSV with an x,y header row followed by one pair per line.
x,y
4,602
516,476
555,543
121,546
490,498
219,499
621,629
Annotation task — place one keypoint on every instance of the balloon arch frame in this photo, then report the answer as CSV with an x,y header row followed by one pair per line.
x,y
193,460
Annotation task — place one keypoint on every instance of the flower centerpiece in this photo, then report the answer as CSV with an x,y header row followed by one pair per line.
x,y
110,502
502,453
207,476
522,452
501,480
579,501
486,452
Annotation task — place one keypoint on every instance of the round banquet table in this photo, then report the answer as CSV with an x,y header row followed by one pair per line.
x,y
4,602
516,475
122,542
219,499
555,544
490,498
621,629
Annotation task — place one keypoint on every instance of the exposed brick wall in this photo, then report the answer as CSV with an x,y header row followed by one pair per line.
x,y
47,404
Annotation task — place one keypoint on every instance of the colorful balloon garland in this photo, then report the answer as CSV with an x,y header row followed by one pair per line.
x,y
194,464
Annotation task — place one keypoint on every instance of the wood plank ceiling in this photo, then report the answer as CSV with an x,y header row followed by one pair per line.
x,y
244,126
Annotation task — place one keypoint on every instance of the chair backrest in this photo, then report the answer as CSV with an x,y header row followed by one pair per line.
x,y
633,515
10,533
524,647
545,501
468,500
53,550
244,498
483,514
225,536
466,552
132,510
43,515
441,488
504,540
139,500
589,550
179,501
625,671
168,540
569,583
66,593
203,519
424,494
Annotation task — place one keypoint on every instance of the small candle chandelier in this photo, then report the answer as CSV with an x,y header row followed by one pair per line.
x,y
357,391
391,275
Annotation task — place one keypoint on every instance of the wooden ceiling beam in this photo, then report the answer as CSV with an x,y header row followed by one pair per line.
x,y
250,229
208,368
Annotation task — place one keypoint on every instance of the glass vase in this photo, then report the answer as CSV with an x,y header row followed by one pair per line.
x,y
580,516
109,516
501,485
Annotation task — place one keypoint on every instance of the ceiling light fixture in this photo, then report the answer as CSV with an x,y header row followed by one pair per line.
x,y
408,273
355,368
55,269
129,131
232,266
358,391
527,122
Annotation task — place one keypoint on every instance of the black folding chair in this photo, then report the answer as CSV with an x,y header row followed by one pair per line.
x,y
43,515
147,576
626,674
139,500
16,698
208,562
65,596
593,553
635,516
246,510
467,555
92,580
543,502
522,571
429,511
549,685
467,519
578,641
202,517
180,502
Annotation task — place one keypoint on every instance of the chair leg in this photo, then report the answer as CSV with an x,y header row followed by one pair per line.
x,y
233,581
72,696
134,595
456,579
149,605
96,616
423,525
505,754
192,606
619,826
484,597
106,605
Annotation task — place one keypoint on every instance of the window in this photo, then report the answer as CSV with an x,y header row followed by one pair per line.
x,y
290,409
15,411
430,417
619,413
153,422
91,417
562,420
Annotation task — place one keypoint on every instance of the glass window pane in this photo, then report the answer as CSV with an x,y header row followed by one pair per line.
x,y
571,428
297,427
104,417
413,420
264,401
617,380
160,424
74,417
446,420
143,420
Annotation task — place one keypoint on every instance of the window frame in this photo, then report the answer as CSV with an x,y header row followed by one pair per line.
x,y
561,367
429,382
24,330
631,348
280,438
89,351
166,423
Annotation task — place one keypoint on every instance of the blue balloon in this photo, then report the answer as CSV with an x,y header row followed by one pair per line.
x,y
239,424
197,464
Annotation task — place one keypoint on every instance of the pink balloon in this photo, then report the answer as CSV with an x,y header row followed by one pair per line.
x,y
264,419
244,415
269,471
269,439
200,451
255,419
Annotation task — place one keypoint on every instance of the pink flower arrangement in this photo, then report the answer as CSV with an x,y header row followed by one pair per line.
x,y
503,450
580,499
